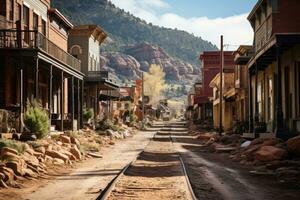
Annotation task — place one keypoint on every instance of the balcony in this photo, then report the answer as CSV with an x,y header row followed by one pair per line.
x,y
13,39
263,33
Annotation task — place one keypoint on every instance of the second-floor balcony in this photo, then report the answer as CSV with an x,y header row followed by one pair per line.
x,y
263,33
30,39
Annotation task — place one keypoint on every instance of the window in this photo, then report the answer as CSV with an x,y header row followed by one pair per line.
x,y
11,10
26,17
3,7
44,27
75,51
19,12
35,21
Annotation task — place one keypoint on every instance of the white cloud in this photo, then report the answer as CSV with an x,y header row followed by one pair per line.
x,y
236,29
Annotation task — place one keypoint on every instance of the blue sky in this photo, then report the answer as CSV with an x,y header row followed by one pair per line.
x,y
207,19
209,8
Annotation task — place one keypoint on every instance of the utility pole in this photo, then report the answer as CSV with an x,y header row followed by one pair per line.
x,y
143,103
221,87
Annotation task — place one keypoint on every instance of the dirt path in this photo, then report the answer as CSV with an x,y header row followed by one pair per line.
x,y
89,177
157,174
216,177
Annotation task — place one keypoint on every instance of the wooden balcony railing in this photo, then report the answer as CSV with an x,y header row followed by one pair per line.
x,y
263,33
34,40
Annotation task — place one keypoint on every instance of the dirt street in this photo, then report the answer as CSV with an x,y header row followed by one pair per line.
x,y
157,174
215,177
90,177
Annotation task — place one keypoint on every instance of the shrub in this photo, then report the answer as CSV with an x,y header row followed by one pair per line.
x,y
36,119
88,113
105,124
20,147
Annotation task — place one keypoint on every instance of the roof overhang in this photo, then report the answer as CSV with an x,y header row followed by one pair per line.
x,y
61,17
267,54
90,30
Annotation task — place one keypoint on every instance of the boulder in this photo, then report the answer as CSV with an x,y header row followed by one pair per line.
x,y
65,139
3,184
75,151
48,159
271,142
270,153
16,166
8,173
75,141
56,154
41,149
231,139
29,173
204,137
2,176
94,155
57,161
9,150
10,156
293,145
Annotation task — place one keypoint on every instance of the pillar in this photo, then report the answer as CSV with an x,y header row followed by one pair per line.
x,y
62,101
73,105
36,91
279,124
50,95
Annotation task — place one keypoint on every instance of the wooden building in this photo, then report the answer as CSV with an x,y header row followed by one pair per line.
x,y
211,62
240,90
228,102
34,62
275,68
99,89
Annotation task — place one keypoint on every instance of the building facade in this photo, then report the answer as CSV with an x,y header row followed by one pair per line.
x,y
84,43
35,63
211,62
274,68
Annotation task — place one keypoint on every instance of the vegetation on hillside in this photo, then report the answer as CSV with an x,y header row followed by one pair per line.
x,y
125,29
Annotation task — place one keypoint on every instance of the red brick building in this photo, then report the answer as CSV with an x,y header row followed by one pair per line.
x,y
211,62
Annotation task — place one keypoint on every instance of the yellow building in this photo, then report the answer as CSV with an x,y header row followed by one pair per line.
x,y
228,103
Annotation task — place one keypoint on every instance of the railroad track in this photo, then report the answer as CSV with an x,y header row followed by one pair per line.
x,y
136,189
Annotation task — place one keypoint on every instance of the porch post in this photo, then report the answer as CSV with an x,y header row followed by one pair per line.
x,y
97,108
78,104
36,92
81,106
73,105
250,102
279,126
50,95
62,101
21,100
256,117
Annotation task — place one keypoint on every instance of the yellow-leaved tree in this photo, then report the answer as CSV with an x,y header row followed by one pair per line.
x,y
154,83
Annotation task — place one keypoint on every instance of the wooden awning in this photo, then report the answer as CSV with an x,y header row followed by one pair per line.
x,y
267,54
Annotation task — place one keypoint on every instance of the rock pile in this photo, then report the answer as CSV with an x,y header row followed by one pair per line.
x,y
36,158
268,156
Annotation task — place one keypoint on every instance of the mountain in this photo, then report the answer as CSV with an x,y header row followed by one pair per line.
x,y
138,58
124,29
